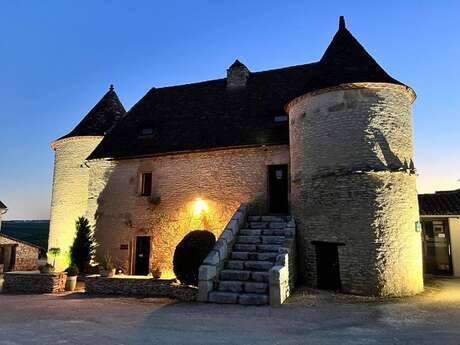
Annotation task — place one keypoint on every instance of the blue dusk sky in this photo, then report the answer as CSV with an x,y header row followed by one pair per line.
x,y
58,58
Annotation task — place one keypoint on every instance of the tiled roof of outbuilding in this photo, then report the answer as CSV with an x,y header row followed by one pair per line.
x,y
440,203
209,115
101,118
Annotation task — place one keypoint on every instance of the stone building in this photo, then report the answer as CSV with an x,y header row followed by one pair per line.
x,y
440,218
3,210
328,142
17,255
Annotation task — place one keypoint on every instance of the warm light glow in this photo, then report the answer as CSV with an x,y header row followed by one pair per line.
x,y
199,207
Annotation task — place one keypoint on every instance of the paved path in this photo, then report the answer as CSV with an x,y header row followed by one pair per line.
x,y
433,318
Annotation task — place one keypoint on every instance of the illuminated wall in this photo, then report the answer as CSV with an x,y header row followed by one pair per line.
x,y
220,179
70,192
353,184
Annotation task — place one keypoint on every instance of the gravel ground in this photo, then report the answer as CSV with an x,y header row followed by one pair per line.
x,y
309,317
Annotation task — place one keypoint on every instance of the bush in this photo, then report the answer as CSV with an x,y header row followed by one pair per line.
x,y
190,253
84,246
72,271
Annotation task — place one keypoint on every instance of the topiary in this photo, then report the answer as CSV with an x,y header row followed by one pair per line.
x,y
190,253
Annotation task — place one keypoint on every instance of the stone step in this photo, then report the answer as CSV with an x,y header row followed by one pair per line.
x,y
271,256
250,232
249,265
241,286
241,275
262,232
253,299
260,239
258,225
240,247
249,239
273,219
234,297
267,247
223,297
254,218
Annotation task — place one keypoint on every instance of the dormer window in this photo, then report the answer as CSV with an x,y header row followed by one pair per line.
x,y
280,118
146,131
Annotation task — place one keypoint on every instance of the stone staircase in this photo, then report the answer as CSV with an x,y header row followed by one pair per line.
x,y
244,278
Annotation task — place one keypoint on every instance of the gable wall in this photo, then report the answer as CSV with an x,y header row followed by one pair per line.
x,y
223,179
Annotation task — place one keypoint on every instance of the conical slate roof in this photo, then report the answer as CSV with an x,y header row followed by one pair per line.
x,y
101,118
346,61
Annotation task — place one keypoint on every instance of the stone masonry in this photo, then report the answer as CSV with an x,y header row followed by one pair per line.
x,y
353,183
70,192
223,179
26,255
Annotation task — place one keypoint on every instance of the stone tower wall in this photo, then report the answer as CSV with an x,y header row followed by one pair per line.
x,y
70,192
353,183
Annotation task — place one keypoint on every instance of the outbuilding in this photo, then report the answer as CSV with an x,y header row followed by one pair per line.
x,y
440,218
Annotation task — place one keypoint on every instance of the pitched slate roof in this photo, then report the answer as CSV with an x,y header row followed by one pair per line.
x,y
2,234
2,206
440,203
209,115
101,118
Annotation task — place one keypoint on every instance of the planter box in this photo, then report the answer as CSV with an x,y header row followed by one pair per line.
x,y
139,286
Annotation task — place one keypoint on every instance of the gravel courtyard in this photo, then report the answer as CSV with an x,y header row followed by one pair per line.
x,y
307,318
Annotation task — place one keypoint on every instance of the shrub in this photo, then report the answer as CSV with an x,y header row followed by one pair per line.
x,y
54,252
72,271
190,253
84,246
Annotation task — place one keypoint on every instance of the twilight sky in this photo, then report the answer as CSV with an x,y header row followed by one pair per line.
x,y
57,58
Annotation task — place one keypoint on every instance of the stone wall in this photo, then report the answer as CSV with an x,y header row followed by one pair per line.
x,y
145,287
222,179
34,282
353,183
70,192
26,256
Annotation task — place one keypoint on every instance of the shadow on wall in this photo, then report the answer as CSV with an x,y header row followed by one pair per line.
x,y
179,202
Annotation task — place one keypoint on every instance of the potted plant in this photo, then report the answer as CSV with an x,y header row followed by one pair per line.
x,y
71,282
107,268
54,252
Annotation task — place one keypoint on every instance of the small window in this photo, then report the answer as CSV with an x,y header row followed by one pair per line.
x,y
146,184
280,118
146,132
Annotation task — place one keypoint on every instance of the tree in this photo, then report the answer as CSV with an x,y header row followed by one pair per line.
x,y
54,252
84,246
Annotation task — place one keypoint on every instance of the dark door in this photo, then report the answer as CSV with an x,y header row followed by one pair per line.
x,y
278,188
142,263
327,266
437,256
8,257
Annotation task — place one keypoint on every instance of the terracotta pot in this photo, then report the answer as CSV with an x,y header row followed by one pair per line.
x,y
71,283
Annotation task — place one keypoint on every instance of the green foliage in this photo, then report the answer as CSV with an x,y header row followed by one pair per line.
x,y
72,271
84,246
190,253
54,252
107,263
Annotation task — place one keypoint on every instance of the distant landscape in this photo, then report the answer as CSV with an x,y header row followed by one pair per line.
x,y
32,231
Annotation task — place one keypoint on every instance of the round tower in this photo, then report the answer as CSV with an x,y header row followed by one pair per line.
x,y
353,189
71,174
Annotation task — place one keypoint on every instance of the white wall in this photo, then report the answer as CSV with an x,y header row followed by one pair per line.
x,y
454,228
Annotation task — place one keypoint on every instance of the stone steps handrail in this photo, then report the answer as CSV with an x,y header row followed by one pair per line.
x,y
214,262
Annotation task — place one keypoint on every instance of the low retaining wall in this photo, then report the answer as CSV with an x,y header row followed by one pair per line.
x,y
139,286
34,282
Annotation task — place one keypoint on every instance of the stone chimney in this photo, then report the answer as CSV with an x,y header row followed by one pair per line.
x,y
237,75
